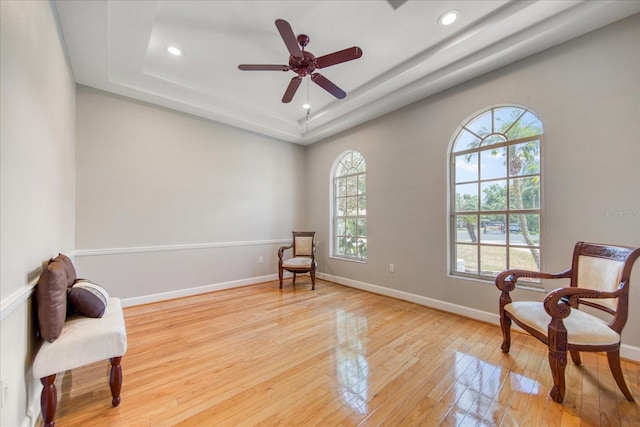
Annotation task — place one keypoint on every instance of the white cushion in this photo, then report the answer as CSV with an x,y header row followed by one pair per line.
x,y
602,275
582,328
304,246
84,340
297,262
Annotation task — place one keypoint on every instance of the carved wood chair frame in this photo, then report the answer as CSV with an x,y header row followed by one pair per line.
x,y
559,303
302,269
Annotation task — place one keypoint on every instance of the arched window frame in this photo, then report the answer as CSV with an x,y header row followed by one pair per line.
x,y
348,227
511,231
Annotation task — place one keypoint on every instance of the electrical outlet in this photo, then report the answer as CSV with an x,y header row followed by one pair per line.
x,y
392,268
260,260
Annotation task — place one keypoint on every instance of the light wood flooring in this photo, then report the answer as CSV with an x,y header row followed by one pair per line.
x,y
335,356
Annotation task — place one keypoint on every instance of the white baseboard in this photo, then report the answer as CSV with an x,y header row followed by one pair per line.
x,y
33,411
628,352
147,299
461,310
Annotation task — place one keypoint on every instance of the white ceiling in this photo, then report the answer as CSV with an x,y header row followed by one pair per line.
x,y
120,47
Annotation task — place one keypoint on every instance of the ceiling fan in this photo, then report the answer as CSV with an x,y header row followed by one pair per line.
x,y
304,63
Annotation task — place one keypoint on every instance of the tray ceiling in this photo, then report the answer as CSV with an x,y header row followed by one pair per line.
x,y
121,47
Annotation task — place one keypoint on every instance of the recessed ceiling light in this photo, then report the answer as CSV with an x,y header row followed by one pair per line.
x,y
174,51
449,17
306,106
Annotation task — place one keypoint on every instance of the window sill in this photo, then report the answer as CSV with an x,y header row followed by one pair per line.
x,y
523,285
358,261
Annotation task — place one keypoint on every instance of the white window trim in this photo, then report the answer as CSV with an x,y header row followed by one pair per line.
x,y
332,207
451,242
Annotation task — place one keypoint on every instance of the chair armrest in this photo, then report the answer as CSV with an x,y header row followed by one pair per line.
x,y
506,280
558,302
282,249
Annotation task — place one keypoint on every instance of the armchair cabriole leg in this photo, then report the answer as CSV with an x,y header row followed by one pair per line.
x,y
280,275
557,358
115,380
505,325
614,364
49,400
558,362
313,280
505,322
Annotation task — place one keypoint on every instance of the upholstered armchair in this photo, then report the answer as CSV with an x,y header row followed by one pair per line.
x,y
303,260
599,279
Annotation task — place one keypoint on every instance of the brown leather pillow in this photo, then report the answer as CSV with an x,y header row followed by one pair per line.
x,y
68,268
51,298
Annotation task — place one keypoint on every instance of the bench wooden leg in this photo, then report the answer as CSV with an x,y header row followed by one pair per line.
x,y
115,380
49,400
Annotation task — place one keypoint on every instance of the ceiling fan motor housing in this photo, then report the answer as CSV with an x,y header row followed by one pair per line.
x,y
303,66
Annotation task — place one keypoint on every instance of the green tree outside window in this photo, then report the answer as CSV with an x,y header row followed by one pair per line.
x,y
496,200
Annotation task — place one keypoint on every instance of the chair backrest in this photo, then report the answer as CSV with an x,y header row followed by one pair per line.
x,y
605,268
303,243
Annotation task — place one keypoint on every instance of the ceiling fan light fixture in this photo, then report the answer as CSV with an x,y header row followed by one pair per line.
x,y
174,51
304,63
449,17
306,106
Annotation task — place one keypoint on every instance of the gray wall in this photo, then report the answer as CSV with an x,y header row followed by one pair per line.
x,y
587,94
37,184
168,202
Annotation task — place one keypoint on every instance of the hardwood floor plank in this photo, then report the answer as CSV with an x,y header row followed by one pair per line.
x,y
336,356
590,406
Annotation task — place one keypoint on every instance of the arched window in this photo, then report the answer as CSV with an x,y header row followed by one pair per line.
x,y
495,193
349,200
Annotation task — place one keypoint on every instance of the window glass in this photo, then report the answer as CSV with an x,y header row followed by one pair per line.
x,y
481,125
493,163
467,167
349,207
496,193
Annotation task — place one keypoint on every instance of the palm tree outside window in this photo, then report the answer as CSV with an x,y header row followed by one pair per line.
x,y
496,193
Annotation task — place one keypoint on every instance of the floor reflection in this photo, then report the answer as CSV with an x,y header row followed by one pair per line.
x,y
478,384
351,360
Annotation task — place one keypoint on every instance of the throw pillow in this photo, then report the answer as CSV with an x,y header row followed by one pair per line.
x,y
88,299
68,268
51,300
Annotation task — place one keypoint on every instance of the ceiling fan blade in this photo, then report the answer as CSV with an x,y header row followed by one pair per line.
x,y
328,85
263,67
338,57
291,89
289,38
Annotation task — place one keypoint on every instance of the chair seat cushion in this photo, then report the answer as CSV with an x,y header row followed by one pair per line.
x,y
84,340
297,262
582,328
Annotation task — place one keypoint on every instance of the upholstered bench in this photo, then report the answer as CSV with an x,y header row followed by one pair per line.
x,y
84,340
89,330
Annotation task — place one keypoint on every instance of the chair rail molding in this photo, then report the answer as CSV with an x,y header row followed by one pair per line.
x,y
164,248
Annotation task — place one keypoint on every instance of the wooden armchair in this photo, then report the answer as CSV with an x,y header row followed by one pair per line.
x,y
599,278
303,260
